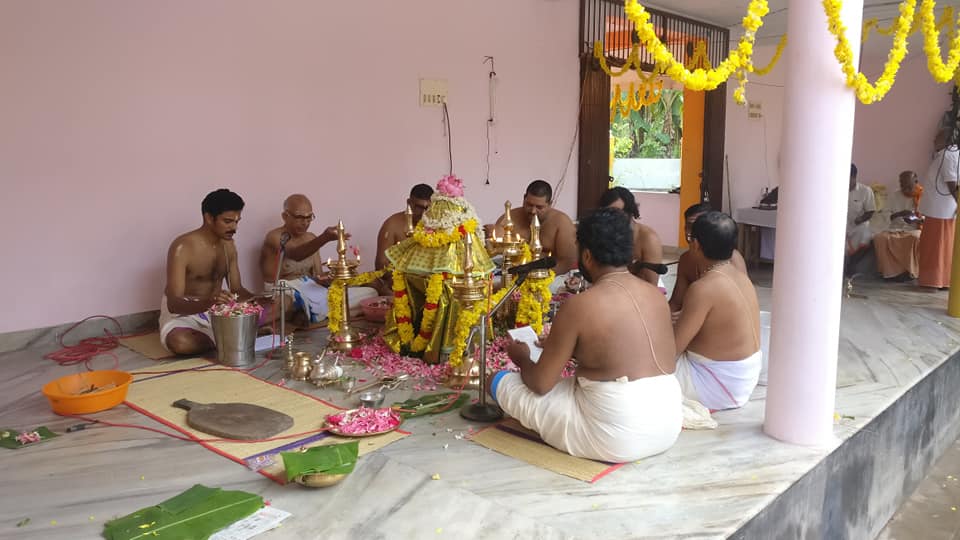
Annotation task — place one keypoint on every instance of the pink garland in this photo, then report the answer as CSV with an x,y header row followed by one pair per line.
x,y
236,309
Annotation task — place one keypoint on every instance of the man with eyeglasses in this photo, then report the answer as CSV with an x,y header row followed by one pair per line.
x,y
394,228
688,268
300,267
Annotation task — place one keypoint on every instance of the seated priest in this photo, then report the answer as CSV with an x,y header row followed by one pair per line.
x,y
623,403
688,268
394,228
299,265
718,332
197,264
557,232
898,253
646,242
860,208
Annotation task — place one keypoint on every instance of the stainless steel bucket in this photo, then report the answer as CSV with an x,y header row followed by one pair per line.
x,y
235,338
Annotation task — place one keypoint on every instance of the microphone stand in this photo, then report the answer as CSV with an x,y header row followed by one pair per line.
x,y
482,411
280,287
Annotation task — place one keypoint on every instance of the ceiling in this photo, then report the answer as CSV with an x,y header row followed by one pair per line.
x,y
728,13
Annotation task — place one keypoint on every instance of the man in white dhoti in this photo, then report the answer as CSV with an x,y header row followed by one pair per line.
x,y
301,268
718,332
860,208
623,403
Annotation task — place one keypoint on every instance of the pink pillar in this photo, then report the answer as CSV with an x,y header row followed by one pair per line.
x,y
811,220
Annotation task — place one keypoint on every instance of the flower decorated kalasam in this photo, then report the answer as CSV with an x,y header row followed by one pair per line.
x,y
450,186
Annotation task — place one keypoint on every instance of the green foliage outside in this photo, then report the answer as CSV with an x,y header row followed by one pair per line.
x,y
655,131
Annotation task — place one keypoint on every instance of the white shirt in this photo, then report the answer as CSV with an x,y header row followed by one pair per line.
x,y
859,203
936,201
898,202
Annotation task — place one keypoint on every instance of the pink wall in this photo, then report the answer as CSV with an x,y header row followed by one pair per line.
x,y
661,212
889,136
119,116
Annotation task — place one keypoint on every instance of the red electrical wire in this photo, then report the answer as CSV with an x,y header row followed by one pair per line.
x,y
87,349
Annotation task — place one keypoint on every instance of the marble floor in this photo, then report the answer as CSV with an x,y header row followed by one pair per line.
x,y
706,486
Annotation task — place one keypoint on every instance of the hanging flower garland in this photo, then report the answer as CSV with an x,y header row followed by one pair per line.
x,y
467,319
699,58
773,61
698,79
946,18
401,308
534,302
636,98
868,93
931,45
335,296
430,306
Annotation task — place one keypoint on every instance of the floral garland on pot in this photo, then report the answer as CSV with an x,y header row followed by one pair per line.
x,y
534,302
430,306
335,296
402,313
467,319
442,237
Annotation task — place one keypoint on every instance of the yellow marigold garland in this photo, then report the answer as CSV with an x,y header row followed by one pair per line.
x,y
430,238
698,79
931,44
946,18
335,296
866,92
402,314
534,302
467,319
636,98
699,58
430,306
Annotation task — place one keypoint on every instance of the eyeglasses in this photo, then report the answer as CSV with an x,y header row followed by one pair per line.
x,y
298,217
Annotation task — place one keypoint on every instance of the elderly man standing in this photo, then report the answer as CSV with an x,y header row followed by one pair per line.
x,y
197,264
860,208
394,228
939,208
624,403
718,332
300,266
557,232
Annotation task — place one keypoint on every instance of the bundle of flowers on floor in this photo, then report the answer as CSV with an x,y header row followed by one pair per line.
x,y
379,359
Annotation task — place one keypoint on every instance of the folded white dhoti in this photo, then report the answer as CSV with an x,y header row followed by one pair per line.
x,y
615,421
718,385
310,297
171,321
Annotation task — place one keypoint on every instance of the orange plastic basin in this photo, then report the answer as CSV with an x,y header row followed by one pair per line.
x,y
65,397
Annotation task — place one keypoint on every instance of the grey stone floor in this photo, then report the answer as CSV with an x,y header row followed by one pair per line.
x,y
933,511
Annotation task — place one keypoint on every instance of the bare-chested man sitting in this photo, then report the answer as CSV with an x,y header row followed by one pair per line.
x,y
623,403
689,269
718,333
197,263
646,242
301,269
557,232
394,229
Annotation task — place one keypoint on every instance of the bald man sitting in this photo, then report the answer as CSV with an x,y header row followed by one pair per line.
x,y
301,268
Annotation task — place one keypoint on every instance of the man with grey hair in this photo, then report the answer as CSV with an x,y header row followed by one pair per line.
x,y
300,266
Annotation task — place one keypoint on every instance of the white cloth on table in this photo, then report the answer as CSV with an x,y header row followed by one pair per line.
x,y
718,385
171,321
615,421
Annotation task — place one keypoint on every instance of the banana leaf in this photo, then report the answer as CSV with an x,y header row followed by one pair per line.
x,y
430,404
327,459
194,514
8,437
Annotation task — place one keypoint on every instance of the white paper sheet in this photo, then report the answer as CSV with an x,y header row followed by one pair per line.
x,y
261,521
526,335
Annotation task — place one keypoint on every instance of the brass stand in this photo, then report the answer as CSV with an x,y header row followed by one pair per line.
x,y
536,249
408,216
510,246
341,270
469,290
